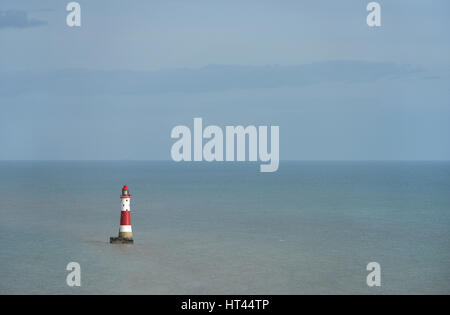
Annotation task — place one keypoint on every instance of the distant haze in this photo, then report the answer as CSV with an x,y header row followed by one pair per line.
x,y
114,88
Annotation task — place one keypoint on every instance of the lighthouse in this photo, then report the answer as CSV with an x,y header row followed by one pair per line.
x,y
125,232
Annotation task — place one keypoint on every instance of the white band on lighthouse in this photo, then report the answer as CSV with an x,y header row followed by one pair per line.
x,y
125,204
125,228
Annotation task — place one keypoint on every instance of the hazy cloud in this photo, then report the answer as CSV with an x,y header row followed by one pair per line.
x,y
18,19
347,110
211,78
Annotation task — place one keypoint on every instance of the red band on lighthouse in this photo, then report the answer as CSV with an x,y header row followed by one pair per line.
x,y
125,218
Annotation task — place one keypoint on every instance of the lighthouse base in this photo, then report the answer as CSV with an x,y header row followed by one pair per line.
x,y
120,240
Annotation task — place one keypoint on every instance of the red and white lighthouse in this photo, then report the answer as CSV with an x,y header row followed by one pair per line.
x,y
125,232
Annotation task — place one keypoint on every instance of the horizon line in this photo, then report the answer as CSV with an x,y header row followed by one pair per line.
x,y
210,162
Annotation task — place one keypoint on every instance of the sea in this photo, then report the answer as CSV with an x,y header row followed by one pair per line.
x,y
226,228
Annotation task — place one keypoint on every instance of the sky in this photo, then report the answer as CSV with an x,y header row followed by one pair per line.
x,y
116,86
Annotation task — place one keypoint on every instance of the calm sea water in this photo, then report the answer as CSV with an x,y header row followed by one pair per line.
x,y
311,227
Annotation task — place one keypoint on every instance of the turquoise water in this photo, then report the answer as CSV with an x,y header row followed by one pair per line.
x,y
311,227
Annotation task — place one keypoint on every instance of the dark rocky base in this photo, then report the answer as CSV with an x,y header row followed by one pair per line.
x,y
120,240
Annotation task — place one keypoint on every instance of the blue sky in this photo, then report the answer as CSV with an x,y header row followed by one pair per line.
x,y
337,88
